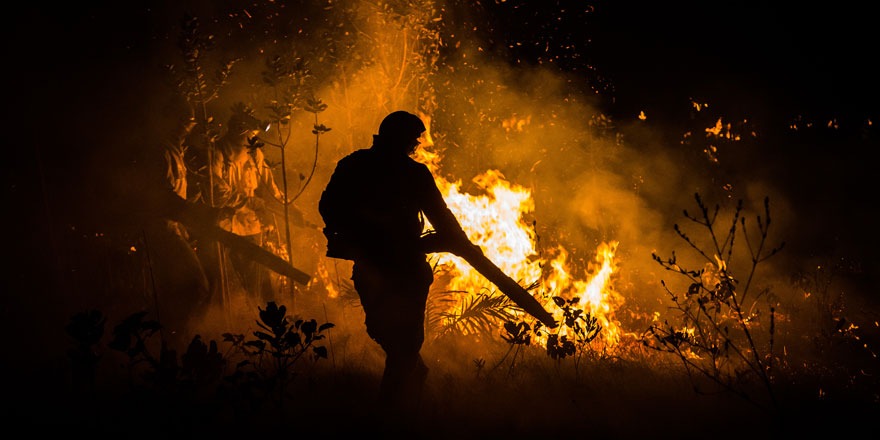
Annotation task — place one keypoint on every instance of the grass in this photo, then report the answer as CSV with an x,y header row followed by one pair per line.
x,y
634,394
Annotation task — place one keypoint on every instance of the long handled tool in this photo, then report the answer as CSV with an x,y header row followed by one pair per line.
x,y
518,294
200,220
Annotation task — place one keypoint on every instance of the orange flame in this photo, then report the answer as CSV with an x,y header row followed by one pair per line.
x,y
496,221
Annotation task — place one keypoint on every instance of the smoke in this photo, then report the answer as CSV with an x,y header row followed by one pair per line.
x,y
593,178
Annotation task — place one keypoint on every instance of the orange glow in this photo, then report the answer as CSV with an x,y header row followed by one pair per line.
x,y
324,274
496,220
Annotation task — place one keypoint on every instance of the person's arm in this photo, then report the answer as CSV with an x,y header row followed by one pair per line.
x,y
448,235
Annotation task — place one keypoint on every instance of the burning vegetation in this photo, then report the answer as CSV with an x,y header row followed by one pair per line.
x,y
581,208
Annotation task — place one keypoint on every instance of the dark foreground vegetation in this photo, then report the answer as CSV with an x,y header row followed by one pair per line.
x,y
295,385
723,363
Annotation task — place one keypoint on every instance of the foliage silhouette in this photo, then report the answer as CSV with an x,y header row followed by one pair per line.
x,y
479,313
581,325
200,376
714,331
271,358
288,78
87,329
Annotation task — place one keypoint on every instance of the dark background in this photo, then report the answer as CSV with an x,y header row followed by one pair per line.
x,y
765,58
75,70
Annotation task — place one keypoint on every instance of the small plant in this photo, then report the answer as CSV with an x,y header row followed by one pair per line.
x,y
131,337
271,358
483,312
479,313
192,79
287,78
579,329
714,331
200,367
571,339
87,329
199,375
518,335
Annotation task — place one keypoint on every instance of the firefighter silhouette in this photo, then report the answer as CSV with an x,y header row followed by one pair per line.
x,y
374,209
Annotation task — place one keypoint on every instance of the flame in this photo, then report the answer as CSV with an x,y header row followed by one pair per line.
x,y
496,220
594,290
324,274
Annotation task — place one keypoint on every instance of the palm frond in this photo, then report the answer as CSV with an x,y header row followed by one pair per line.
x,y
480,313
437,306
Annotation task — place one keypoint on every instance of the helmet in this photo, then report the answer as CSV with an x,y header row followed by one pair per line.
x,y
401,125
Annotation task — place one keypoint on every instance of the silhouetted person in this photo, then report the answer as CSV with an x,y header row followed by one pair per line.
x,y
241,182
374,209
154,184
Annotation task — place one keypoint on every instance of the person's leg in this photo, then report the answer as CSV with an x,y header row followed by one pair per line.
x,y
405,370
394,304
403,380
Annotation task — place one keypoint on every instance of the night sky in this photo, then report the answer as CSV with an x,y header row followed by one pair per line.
x,y
794,58
771,63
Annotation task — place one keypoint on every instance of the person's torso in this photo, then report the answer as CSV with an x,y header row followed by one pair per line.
x,y
387,194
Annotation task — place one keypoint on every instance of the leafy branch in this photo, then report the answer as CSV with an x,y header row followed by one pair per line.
x,y
271,357
713,333
287,77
